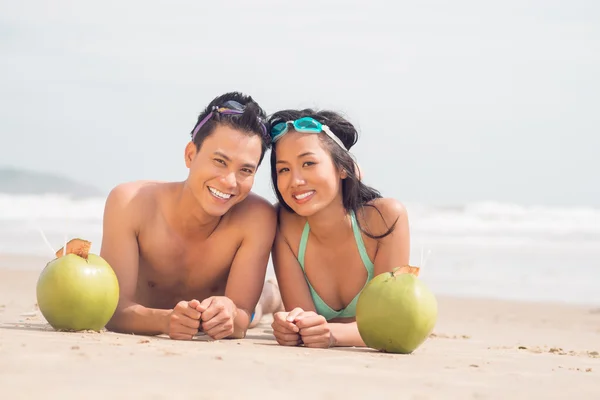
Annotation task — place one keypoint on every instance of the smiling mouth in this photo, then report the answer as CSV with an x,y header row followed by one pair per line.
x,y
218,194
304,195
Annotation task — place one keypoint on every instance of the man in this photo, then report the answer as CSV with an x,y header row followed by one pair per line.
x,y
192,256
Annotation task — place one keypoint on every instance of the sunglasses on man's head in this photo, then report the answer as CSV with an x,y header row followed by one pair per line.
x,y
230,107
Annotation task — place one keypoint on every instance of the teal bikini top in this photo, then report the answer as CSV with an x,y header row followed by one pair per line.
x,y
321,307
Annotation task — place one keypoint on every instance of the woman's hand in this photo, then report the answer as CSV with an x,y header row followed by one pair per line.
x,y
314,330
284,329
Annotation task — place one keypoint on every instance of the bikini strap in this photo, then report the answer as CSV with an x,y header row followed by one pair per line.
x,y
361,245
303,241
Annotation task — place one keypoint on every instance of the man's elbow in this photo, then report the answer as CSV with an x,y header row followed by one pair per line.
x,y
117,321
114,325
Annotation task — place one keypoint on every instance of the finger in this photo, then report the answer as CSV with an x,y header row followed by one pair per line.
x,y
191,313
204,304
183,307
315,330
217,320
182,323
223,334
182,331
305,314
220,331
293,314
290,343
309,321
215,308
194,303
279,318
286,337
291,328
316,341
182,319
188,322
281,324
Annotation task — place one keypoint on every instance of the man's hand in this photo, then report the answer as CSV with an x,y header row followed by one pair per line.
x,y
314,330
184,320
218,315
285,331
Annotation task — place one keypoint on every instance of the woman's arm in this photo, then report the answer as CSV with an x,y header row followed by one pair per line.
x,y
290,277
393,251
293,288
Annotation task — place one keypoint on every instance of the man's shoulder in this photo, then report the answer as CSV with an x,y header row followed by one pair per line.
x,y
133,193
253,209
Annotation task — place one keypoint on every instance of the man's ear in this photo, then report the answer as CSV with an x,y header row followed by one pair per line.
x,y
190,153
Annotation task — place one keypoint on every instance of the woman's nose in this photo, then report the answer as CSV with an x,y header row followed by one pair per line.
x,y
297,178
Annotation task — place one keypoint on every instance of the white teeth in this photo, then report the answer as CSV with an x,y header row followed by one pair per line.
x,y
304,195
219,194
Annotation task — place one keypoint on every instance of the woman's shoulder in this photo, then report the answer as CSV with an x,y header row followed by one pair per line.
x,y
381,214
388,206
288,221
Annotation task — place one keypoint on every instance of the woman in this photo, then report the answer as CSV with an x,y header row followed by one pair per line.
x,y
334,232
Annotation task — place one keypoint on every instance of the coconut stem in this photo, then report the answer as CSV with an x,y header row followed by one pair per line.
x,y
79,247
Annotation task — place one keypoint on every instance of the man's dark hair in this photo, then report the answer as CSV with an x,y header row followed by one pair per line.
x,y
251,121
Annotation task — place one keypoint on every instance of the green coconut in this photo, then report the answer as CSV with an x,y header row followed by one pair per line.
x,y
396,312
77,290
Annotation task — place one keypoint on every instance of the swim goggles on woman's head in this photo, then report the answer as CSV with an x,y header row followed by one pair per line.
x,y
306,125
229,107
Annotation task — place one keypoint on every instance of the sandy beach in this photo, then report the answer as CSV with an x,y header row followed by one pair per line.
x,y
480,349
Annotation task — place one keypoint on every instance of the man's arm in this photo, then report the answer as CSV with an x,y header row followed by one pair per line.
x,y
120,249
249,267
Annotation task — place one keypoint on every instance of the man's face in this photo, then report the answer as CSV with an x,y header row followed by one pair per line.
x,y
222,171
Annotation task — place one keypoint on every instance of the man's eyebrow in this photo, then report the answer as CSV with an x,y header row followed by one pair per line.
x,y
224,156
218,153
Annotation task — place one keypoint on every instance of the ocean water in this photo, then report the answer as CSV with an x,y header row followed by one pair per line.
x,y
495,250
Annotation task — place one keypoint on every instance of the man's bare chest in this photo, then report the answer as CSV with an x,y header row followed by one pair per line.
x,y
169,263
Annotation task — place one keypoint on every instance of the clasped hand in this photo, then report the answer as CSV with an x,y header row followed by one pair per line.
x,y
214,316
302,327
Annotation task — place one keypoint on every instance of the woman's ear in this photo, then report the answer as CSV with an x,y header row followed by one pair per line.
x,y
190,153
357,171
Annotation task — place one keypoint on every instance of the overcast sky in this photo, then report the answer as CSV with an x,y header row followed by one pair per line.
x,y
456,101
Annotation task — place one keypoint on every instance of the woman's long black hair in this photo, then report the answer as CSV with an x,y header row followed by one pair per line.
x,y
355,194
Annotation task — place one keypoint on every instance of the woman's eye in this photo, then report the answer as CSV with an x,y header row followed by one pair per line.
x,y
308,163
247,171
282,170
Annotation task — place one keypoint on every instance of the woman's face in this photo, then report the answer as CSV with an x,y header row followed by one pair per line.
x,y
307,178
